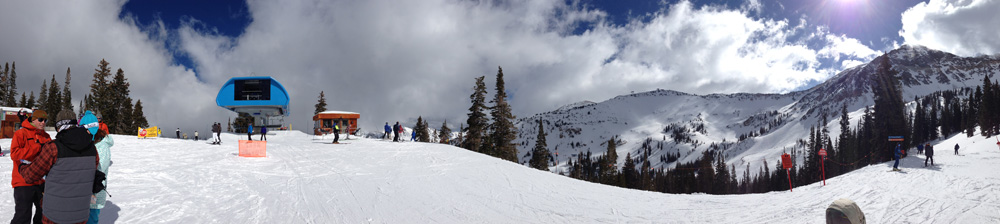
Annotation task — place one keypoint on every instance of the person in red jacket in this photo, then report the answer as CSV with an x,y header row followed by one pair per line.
x,y
25,145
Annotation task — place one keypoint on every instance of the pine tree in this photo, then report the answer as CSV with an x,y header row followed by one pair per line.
x,y
540,154
121,120
609,163
3,81
24,101
67,96
503,130
43,97
140,118
477,122
889,118
54,103
81,109
986,105
99,97
444,133
31,100
421,129
11,84
321,105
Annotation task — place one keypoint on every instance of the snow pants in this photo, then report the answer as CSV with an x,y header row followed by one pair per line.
x,y
896,165
931,158
24,198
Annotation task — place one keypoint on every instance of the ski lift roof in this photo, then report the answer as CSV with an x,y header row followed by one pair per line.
x,y
336,112
257,96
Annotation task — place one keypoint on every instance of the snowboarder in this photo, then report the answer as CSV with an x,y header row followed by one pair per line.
x,y
263,133
178,133
898,153
217,128
249,132
956,149
336,134
196,135
387,130
929,151
395,132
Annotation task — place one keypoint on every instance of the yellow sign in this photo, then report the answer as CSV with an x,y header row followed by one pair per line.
x,y
253,148
151,132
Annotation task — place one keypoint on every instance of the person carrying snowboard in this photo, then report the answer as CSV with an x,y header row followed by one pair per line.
x,y
387,130
929,151
898,153
263,133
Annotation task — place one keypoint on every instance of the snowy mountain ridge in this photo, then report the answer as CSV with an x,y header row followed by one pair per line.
x,y
747,128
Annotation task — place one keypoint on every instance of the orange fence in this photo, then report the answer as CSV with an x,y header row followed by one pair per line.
x,y
253,148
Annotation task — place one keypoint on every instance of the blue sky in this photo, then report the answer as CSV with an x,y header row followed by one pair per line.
x,y
395,60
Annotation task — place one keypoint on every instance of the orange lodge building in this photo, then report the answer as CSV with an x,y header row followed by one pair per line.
x,y
9,122
348,122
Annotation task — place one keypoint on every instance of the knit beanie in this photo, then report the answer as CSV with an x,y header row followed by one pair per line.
x,y
39,114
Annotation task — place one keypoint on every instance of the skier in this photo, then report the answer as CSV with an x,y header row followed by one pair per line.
x,y
336,133
899,153
250,132
387,130
395,132
929,151
178,133
263,133
920,149
956,149
196,135
413,135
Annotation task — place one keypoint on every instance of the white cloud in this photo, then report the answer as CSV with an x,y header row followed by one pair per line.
x,y
395,59
966,27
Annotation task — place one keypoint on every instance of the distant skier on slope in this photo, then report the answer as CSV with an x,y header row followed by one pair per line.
x,y
250,132
898,153
395,132
387,130
920,149
336,133
413,135
929,151
956,148
263,133
217,128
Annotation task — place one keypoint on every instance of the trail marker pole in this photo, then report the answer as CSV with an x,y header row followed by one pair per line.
x,y
822,152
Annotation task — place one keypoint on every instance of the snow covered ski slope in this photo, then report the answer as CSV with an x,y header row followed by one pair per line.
x,y
303,180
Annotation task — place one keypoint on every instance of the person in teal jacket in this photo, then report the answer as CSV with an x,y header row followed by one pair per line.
x,y
103,143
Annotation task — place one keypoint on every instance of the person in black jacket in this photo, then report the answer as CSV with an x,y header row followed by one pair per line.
x,y
66,165
956,149
929,151
395,132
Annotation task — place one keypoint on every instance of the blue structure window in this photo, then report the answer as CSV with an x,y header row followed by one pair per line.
x,y
253,89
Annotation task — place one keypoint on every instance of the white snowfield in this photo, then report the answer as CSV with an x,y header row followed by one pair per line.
x,y
305,180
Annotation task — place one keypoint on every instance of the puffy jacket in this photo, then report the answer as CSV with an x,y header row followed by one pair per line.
x,y
387,128
26,144
104,153
929,151
69,163
899,152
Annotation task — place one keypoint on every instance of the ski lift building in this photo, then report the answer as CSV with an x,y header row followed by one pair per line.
x,y
261,97
325,121
9,122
